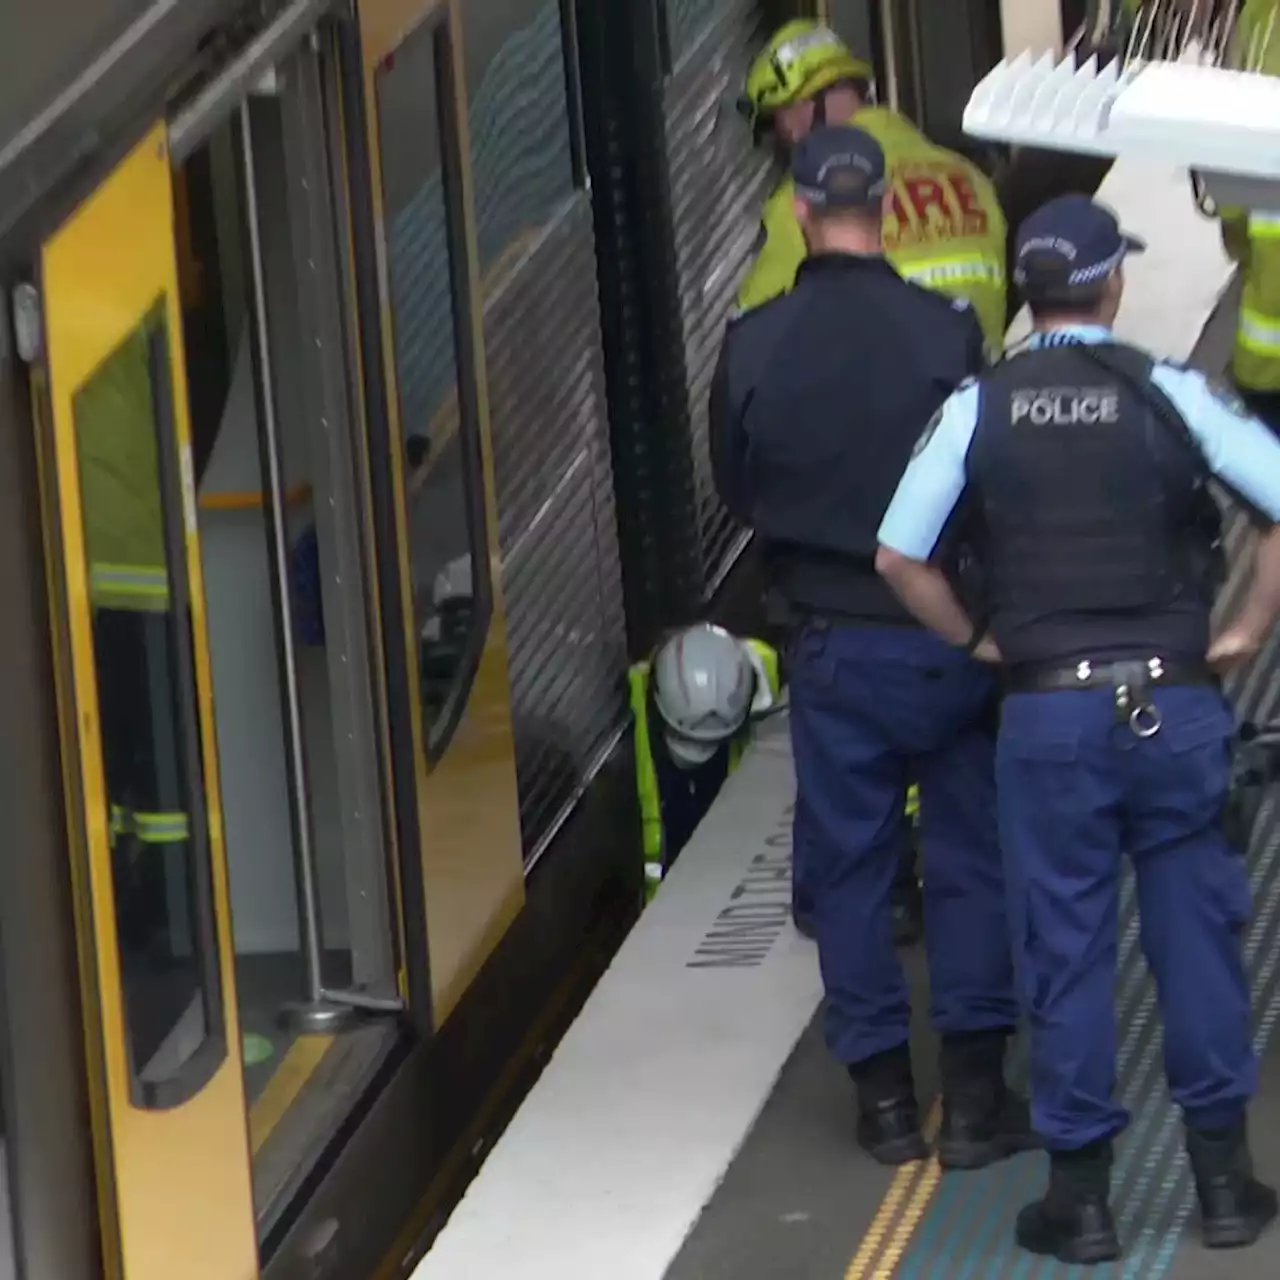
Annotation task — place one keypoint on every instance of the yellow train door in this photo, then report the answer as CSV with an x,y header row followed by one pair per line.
x,y
468,867
171,1135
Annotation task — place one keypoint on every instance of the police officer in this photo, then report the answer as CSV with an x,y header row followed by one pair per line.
x,y
1085,464
944,229
943,224
814,409
693,705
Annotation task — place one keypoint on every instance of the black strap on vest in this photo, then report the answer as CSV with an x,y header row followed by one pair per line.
x,y
1133,368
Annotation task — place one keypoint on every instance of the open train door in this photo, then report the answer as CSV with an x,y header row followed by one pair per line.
x,y
462,867
171,1138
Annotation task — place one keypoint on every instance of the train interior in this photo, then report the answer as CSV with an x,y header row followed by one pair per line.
x,y
387,329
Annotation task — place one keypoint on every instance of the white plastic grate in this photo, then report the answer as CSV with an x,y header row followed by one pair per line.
x,y
1039,102
1201,117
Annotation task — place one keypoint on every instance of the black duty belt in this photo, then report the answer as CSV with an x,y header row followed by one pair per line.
x,y
1132,681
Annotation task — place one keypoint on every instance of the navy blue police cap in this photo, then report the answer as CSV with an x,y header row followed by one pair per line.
x,y
1069,243
839,167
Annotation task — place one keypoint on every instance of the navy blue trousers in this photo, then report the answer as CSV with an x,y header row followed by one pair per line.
x,y
1077,792
869,708
802,890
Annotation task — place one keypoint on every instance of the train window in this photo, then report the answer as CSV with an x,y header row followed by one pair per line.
x,y
522,149
435,380
148,719
684,21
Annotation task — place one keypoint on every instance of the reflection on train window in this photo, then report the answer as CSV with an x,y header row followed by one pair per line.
x,y
142,648
518,113
686,20
440,461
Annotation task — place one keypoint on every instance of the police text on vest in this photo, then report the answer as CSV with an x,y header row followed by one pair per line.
x,y
1065,406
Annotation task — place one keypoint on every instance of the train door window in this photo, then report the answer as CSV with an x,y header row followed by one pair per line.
x,y
517,104
440,462
683,21
148,717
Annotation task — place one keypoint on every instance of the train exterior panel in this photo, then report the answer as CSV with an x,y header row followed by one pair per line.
x,y
719,182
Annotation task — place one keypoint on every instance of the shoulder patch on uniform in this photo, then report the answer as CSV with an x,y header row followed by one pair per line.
x,y
928,433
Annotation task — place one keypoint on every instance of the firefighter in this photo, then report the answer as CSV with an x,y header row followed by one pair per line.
x,y
943,226
693,704
1253,240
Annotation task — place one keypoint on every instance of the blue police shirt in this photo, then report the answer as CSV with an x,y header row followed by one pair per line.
x,y
1237,448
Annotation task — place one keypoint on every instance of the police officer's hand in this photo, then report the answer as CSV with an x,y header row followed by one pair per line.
x,y
1235,647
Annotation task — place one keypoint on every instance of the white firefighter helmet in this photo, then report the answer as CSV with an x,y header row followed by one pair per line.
x,y
706,682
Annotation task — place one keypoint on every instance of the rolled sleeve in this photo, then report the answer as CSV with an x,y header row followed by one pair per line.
x,y
934,480
1237,447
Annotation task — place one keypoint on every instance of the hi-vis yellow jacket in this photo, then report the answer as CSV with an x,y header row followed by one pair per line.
x,y
1253,239
945,231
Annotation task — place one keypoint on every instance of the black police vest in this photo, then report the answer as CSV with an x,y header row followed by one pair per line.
x,y
1093,508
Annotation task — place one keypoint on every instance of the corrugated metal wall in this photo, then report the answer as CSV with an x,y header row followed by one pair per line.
x,y
565,628
719,183
560,567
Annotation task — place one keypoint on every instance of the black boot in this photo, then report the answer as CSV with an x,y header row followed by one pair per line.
x,y
1235,1207
888,1114
1073,1222
983,1120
